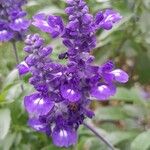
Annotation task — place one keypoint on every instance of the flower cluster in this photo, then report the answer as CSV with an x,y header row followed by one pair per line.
x,y
64,92
12,22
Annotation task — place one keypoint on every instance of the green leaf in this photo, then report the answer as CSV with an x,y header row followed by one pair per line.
x,y
110,113
5,120
129,95
142,141
121,136
7,142
12,76
94,143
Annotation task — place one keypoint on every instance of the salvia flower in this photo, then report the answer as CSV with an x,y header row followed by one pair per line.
x,y
13,23
64,92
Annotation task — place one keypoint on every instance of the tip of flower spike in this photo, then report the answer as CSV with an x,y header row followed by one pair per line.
x,y
64,137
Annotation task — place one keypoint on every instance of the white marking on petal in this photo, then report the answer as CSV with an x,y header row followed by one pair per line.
x,y
102,87
3,32
116,73
39,101
70,91
109,18
24,63
45,23
38,127
63,133
17,21
59,74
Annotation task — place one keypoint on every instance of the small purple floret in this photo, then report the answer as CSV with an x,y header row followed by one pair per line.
x,y
64,137
106,19
38,105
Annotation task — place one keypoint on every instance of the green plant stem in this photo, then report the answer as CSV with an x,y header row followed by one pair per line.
x,y
99,136
17,61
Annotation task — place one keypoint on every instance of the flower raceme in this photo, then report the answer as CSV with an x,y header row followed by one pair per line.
x,y
12,20
64,92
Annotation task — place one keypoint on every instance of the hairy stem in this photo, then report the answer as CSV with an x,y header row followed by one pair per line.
x,y
99,136
17,61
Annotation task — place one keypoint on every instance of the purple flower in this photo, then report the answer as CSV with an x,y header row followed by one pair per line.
x,y
103,91
13,25
38,125
51,24
5,35
107,18
70,93
65,91
38,105
23,68
64,137
120,75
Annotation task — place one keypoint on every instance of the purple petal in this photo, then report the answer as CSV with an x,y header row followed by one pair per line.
x,y
23,68
103,92
37,105
5,35
36,124
40,126
99,17
51,24
64,137
107,18
40,22
70,93
56,24
106,67
120,75
19,24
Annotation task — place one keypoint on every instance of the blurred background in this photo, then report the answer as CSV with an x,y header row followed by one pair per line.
x,y
125,119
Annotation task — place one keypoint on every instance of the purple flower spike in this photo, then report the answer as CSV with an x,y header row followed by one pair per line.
x,y
120,75
50,24
23,68
38,105
103,92
70,93
64,137
65,91
107,18
13,24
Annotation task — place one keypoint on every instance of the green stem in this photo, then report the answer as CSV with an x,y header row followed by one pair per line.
x,y
99,136
17,61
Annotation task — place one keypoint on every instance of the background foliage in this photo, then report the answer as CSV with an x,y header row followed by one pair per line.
x,y
125,120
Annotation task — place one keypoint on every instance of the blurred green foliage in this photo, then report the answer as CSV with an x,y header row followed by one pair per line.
x,y
125,120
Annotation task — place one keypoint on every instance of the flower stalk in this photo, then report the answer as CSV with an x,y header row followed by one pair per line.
x,y
17,62
111,147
